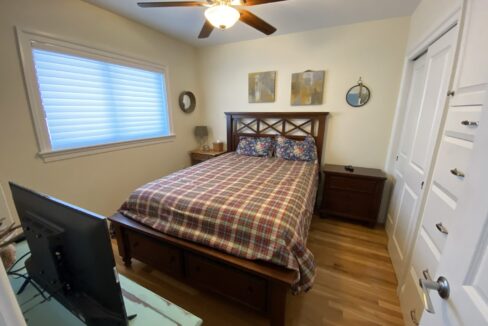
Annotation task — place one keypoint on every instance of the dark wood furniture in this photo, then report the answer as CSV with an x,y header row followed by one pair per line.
x,y
354,195
198,156
294,125
259,285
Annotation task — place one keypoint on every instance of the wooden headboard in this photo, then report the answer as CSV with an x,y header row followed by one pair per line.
x,y
295,125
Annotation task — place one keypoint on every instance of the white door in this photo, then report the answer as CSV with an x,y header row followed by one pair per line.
x,y
409,127
464,256
464,262
425,108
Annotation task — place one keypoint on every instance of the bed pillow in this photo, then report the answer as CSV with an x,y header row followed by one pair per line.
x,y
255,146
295,150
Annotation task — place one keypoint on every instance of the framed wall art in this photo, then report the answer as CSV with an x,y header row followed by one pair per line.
x,y
307,88
262,87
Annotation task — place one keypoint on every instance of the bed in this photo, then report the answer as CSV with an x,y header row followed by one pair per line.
x,y
234,225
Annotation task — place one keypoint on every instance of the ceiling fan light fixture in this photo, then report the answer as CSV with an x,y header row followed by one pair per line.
x,y
222,16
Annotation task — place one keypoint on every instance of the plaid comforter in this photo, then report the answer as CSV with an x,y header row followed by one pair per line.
x,y
251,207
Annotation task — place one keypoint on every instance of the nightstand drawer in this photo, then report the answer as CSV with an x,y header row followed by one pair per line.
x,y
351,183
349,204
200,157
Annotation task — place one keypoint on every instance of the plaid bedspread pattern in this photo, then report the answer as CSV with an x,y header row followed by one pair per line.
x,y
251,207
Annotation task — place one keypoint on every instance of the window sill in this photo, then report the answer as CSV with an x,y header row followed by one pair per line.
x,y
64,154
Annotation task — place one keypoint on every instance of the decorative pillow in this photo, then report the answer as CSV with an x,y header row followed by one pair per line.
x,y
255,146
295,150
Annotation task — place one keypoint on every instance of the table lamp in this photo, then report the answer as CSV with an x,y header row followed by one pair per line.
x,y
201,133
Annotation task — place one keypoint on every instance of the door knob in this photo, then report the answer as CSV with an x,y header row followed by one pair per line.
x,y
441,286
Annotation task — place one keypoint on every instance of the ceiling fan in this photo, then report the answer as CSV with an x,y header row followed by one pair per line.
x,y
221,14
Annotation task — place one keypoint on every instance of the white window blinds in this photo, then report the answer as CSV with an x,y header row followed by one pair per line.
x,y
87,102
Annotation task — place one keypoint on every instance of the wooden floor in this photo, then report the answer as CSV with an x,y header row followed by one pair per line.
x,y
354,285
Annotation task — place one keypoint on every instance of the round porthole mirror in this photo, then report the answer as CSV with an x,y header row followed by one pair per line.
x,y
358,95
187,102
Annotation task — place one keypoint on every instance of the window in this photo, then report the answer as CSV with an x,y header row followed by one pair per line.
x,y
85,100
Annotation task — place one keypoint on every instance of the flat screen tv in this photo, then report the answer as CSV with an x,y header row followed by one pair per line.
x,y
71,257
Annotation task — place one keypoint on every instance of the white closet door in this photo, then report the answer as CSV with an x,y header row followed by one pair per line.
x,y
470,84
462,255
411,120
420,133
464,261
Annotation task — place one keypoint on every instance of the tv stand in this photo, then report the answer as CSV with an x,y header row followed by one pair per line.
x,y
95,314
27,280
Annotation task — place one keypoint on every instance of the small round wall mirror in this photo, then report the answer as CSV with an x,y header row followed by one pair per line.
x,y
187,102
358,95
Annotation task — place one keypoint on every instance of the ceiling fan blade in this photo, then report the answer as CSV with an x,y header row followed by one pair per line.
x,y
206,30
256,22
257,2
172,4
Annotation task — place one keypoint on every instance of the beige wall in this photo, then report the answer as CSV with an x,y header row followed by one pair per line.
x,y
373,50
428,16
98,182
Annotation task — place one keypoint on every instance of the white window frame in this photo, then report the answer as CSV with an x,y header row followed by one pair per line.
x,y
26,39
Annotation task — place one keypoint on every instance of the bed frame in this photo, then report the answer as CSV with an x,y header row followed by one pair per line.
x,y
259,285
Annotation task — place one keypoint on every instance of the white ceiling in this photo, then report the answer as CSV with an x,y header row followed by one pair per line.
x,y
290,16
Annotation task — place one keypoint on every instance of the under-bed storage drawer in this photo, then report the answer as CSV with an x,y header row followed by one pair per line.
x,y
247,289
200,157
154,253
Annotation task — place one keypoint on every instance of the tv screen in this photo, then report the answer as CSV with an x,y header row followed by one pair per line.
x,y
71,257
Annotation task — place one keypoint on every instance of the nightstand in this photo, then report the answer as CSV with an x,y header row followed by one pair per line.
x,y
353,195
198,156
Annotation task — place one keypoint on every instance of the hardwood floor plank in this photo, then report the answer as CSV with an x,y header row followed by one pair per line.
x,y
355,283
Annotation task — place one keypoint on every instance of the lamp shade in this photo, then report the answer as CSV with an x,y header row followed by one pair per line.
x,y
222,16
201,131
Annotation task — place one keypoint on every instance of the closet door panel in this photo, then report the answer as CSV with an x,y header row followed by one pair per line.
x,y
470,82
409,128
406,212
432,109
